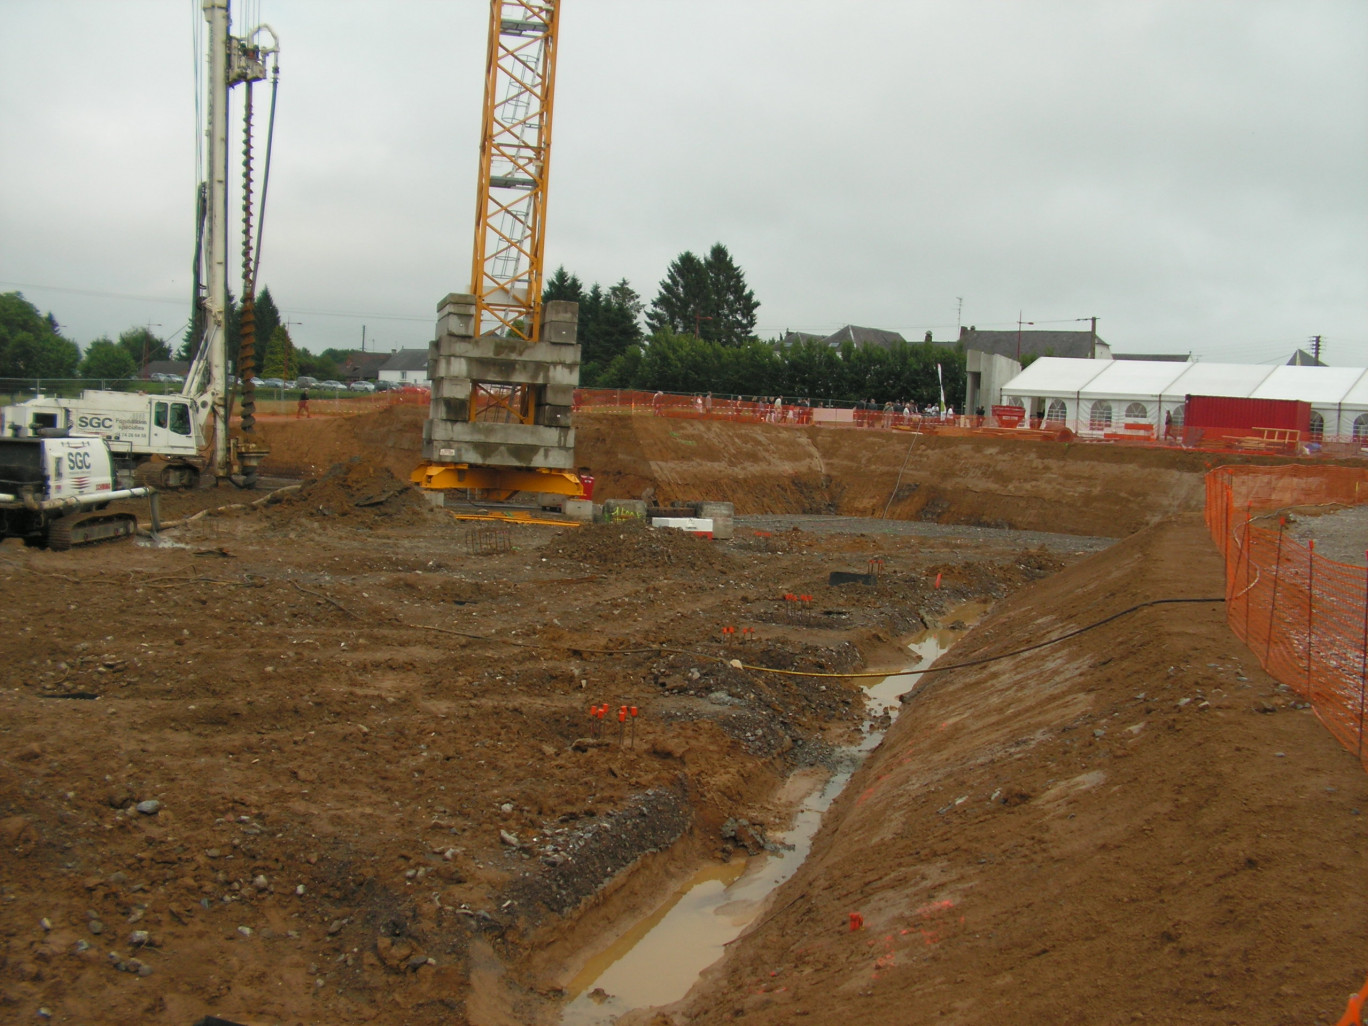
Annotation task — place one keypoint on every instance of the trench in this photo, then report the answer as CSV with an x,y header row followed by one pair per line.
x,y
663,955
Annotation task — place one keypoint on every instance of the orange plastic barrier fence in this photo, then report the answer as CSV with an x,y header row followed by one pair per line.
x,y
1353,1014
1305,617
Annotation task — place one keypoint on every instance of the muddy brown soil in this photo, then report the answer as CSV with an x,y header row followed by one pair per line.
x,y
329,758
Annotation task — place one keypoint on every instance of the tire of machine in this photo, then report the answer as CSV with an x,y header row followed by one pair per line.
x,y
59,534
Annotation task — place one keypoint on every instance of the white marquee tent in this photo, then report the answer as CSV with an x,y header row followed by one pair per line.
x,y
1094,397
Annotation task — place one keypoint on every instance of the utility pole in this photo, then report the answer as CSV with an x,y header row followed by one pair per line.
x,y
1020,322
1315,347
289,345
1094,337
959,316
147,340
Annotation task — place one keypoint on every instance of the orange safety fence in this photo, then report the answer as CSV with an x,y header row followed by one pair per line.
x,y
755,410
1303,615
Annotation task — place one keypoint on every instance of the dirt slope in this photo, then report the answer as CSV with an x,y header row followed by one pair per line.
x,y
344,701
1133,825
765,468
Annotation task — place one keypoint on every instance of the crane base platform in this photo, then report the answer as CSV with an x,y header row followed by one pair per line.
x,y
497,483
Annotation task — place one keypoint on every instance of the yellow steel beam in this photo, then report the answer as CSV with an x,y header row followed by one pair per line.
x,y
447,476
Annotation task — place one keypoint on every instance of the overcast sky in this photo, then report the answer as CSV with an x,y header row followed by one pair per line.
x,y
1192,172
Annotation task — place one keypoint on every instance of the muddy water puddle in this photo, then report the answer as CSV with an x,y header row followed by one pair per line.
x,y
660,958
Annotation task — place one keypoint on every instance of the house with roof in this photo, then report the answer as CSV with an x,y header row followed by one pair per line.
x,y
362,366
858,336
993,358
792,338
407,367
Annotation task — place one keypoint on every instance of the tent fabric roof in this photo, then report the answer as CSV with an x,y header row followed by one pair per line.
x,y
1109,379
1310,384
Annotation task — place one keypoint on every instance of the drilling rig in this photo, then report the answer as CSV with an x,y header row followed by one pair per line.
x,y
189,432
503,366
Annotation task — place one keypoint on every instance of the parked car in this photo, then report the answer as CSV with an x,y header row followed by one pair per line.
x,y
270,383
332,384
381,385
361,386
305,381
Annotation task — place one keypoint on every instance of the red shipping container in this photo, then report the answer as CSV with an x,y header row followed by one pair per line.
x,y
1227,416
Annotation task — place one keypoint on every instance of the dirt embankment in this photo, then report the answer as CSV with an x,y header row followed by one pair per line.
x,y
764,468
377,795
316,760
1136,824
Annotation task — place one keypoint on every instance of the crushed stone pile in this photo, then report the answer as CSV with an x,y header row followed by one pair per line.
x,y
634,544
360,487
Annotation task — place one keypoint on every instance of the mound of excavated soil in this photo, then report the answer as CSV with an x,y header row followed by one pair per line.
x,y
359,488
633,544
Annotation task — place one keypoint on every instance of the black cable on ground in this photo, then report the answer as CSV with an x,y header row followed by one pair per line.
x,y
822,673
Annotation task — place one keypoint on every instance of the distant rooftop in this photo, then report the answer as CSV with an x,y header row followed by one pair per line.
x,y
1068,344
407,360
859,336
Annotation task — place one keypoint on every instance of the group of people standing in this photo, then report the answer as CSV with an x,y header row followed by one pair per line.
x,y
869,413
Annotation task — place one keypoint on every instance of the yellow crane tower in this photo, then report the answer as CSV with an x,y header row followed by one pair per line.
x,y
504,370
515,155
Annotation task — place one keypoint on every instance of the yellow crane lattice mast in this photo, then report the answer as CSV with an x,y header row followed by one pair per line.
x,y
515,153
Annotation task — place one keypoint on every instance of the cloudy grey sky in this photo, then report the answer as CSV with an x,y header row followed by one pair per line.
x,y
1192,172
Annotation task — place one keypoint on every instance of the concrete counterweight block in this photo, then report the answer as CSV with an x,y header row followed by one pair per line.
x,y
456,315
549,368
560,322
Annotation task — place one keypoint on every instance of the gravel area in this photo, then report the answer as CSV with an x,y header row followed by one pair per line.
x,y
874,526
1341,535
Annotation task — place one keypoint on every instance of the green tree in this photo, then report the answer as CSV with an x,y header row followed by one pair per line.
x,y
267,320
685,301
623,295
607,328
708,298
278,357
734,304
108,360
321,367
562,286
608,323
31,344
142,346
813,369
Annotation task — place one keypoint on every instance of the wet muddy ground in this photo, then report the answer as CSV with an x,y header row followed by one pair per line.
x,y
330,758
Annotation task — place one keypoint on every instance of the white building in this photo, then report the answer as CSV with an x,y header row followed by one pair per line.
x,y
1096,397
407,367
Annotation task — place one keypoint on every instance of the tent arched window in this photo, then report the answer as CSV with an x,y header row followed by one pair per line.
x,y
1361,427
1179,415
1101,416
1057,411
1136,412
1317,426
